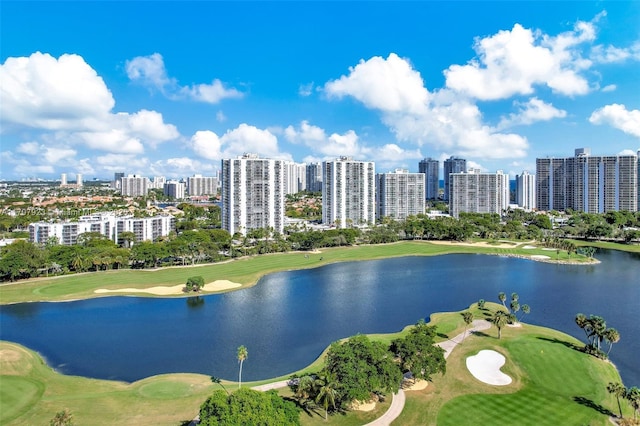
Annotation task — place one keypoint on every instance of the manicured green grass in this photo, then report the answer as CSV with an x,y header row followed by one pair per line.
x,y
633,248
553,384
246,271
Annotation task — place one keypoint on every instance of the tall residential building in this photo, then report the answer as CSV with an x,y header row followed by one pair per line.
x,y
253,194
202,185
348,192
314,177
63,179
592,184
476,192
399,194
79,182
158,182
430,168
526,190
452,165
295,177
134,186
174,189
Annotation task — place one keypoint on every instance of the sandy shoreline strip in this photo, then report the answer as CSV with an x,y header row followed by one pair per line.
x,y
218,285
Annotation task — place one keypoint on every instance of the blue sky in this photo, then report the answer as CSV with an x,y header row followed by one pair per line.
x,y
170,88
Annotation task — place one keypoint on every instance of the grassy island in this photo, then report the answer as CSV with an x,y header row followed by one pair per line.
x,y
247,271
553,383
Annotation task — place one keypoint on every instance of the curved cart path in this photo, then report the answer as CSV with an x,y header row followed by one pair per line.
x,y
398,399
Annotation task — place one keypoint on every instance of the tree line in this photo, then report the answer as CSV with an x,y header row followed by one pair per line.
x,y
198,241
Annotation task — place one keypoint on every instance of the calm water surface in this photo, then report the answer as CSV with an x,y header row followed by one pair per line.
x,y
290,317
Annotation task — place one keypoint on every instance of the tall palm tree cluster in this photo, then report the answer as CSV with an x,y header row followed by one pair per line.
x,y
595,328
510,314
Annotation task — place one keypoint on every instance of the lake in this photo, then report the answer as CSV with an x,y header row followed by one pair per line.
x,y
288,318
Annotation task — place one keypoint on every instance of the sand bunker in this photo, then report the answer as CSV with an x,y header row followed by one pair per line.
x,y
539,256
485,366
363,406
420,384
218,285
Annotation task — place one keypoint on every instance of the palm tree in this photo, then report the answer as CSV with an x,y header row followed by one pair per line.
x,y
468,319
619,391
525,310
515,307
633,396
598,327
78,263
611,335
582,322
502,298
500,319
242,355
327,393
218,381
305,388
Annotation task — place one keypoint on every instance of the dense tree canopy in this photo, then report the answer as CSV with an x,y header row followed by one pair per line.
x,y
248,407
362,367
418,354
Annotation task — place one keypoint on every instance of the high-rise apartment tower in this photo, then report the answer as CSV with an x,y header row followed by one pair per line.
x,y
348,192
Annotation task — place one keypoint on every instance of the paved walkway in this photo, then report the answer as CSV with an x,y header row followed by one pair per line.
x,y
397,403
398,399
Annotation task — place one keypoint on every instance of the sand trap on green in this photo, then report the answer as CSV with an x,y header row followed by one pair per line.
x,y
485,366
218,285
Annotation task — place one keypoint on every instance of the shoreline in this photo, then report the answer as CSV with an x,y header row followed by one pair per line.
x,y
248,278
203,379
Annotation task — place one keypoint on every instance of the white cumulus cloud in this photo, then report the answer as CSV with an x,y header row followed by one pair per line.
x,y
150,71
530,112
611,54
67,96
512,62
327,146
389,84
243,139
442,119
43,92
619,117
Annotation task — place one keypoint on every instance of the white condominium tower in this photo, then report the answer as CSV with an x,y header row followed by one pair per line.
x,y
202,185
476,192
253,194
592,184
348,192
526,190
134,186
430,168
399,194
296,177
174,189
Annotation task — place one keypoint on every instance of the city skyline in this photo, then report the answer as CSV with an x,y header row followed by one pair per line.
x,y
90,87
